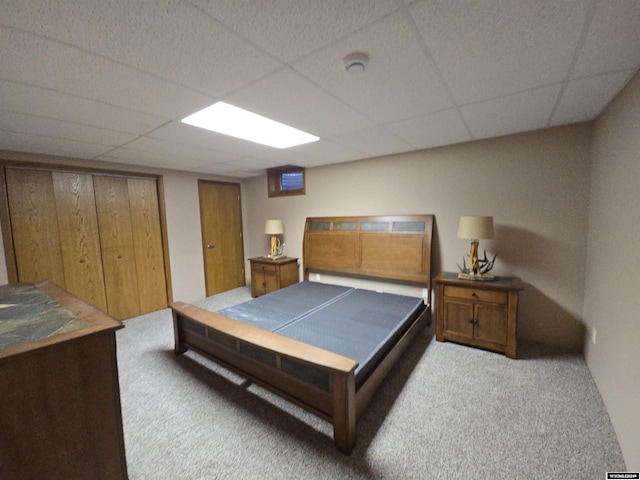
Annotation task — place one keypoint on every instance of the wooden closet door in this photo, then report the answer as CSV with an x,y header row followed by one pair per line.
x,y
79,237
147,242
34,225
116,239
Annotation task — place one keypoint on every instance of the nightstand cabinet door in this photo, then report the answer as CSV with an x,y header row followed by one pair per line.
x,y
458,320
491,325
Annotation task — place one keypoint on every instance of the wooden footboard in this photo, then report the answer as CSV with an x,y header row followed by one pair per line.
x,y
319,381
315,379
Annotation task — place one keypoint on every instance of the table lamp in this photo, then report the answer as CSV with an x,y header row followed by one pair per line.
x,y
475,228
273,228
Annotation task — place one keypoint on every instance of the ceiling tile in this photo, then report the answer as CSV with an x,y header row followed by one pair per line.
x,y
398,83
181,150
515,113
150,159
25,142
328,151
171,39
613,40
489,48
373,141
434,130
288,97
181,133
28,99
68,69
30,124
289,30
584,98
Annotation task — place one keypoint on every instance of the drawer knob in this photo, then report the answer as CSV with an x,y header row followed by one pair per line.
x,y
474,294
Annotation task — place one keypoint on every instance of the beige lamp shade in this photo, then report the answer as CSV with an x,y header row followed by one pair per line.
x,y
475,227
273,227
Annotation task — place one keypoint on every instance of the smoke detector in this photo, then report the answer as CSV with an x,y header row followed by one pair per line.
x,y
356,63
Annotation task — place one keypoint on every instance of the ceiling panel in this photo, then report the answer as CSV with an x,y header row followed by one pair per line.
x,y
289,30
288,97
399,81
433,130
488,49
32,100
585,97
501,116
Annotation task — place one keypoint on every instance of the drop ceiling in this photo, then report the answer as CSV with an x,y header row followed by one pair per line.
x,y
110,80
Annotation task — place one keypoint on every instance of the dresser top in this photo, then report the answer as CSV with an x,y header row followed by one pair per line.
x,y
37,314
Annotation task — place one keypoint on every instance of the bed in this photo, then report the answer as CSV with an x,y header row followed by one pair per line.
x,y
326,347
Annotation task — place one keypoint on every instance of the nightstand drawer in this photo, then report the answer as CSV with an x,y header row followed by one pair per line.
x,y
476,294
266,268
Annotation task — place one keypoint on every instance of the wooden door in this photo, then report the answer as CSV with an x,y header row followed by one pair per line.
x,y
147,242
34,225
116,239
491,324
221,222
80,241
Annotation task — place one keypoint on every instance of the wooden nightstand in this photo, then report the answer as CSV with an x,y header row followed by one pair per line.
x,y
478,313
269,275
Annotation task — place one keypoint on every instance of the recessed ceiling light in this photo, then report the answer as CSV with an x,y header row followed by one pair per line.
x,y
229,120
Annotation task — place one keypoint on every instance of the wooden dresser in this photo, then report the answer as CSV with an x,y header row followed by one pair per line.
x,y
269,275
478,313
60,411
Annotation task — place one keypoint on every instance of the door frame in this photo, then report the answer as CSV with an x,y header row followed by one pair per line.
x,y
5,219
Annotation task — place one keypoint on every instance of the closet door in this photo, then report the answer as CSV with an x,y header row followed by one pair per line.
x,y
116,239
34,224
80,242
147,243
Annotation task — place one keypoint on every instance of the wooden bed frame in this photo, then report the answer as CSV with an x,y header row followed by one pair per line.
x,y
388,248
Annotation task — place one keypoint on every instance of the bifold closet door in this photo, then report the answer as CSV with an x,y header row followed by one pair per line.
x,y
79,238
97,236
116,240
147,242
34,226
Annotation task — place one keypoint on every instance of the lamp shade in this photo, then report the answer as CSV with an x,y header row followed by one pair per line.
x,y
273,227
475,227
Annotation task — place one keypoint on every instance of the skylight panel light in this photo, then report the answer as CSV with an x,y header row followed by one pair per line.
x,y
229,120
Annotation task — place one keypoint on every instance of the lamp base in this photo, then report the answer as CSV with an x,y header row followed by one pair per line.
x,y
486,277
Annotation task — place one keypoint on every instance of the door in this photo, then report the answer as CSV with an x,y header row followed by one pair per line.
x,y
80,243
116,238
34,224
147,242
222,249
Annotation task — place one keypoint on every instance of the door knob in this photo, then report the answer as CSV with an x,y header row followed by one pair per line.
x,y
211,246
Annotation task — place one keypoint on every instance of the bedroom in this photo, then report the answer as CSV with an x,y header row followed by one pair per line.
x,y
551,193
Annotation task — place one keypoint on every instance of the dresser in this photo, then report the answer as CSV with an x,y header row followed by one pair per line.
x,y
481,314
269,275
60,413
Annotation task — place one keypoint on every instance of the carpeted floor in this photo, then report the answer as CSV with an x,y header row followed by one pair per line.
x,y
445,411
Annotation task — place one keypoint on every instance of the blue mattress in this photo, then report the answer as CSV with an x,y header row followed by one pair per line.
x,y
359,324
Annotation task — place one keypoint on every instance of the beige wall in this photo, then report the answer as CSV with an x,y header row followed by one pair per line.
x,y
612,298
183,221
536,185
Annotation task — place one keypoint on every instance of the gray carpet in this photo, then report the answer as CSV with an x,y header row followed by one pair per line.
x,y
445,411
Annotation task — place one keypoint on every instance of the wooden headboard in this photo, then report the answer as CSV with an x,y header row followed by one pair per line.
x,y
395,248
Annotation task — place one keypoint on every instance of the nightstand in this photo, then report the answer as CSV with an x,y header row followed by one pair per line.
x,y
481,314
268,275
